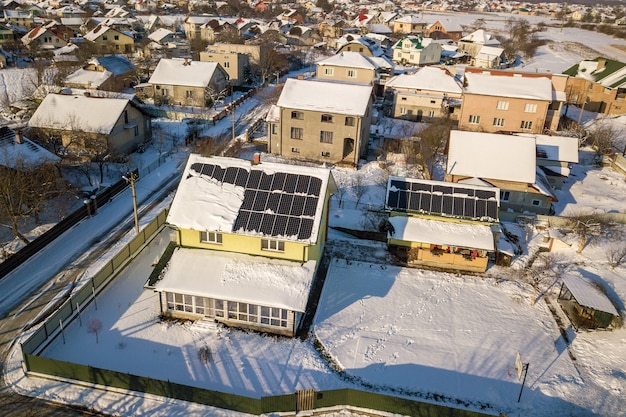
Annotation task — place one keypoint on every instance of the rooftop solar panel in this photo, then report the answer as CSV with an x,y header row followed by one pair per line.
x,y
290,183
306,227
303,184
260,202
310,206
297,208
280,225
266,182
242,177
254,179
315,186
279,181
267,224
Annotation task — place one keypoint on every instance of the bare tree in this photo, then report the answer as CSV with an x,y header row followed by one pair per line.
x,y
359,189
586,226
432,143
94,326
540,273
616,255
604,136
208,146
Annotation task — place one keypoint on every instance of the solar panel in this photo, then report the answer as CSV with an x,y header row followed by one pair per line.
x,y
273,201
481,208
306,227
470,208
266,182
392,199
279,181
447,205
459,207
293,226
290,183
207,169
414,202
253,179
254,223
218,174
484,195
303,184
267,224
315,186
242,220
402,200
425,202
435,205
492,209
280,225
400,185
230,175
297,208
260,202
285,204
416,186
242,177
465,191
310,206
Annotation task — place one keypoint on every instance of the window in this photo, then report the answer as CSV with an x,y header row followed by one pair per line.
x,y
189,94
326,137
403,99
536,203
502,105
326,154
351,73
526,125
498,121
211,237
295,150
327,118
431,113
105,38
504,195
530,108
402,110
474,120
349,121
274,316
125,116
180,302
297,133
226,64
272,245
116,37
297,115
136,130
329,71
274,129
432,101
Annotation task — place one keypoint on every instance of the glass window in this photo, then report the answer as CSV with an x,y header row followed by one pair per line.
x,y
530,108
350,121
272,245
351,73
297,115
504,195
297,133
328,71
473,119
502,105
326,137
498,121
327,118
536,203
526,125
295,150
211,237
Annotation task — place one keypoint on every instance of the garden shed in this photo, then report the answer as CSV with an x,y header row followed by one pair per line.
x,y
585,304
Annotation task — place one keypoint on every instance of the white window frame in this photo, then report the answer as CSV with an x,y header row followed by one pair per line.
x,y
326,136
530,108
297,133
272,245
329,71
211,237
526,125
403,110
505,195
502,105
474,119
350,121
498,121
351,73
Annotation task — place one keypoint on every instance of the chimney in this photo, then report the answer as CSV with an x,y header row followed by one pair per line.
x,y
185,63
256,158
301,76
601,64
18,137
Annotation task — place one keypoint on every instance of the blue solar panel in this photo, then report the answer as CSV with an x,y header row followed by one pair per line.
x,y
260,202
273,201
266,182
278,182
242,177
280,225
286,201
306,227
315,186
303,184
290,183
297,208
310,206
254,179
267,224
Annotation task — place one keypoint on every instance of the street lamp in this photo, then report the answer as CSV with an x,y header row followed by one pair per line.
x,y
131,177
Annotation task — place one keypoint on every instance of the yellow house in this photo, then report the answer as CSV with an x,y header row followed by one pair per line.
x,y
111,40
441,224
249,239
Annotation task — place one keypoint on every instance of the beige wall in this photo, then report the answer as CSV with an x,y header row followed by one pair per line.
x,y
486,108
122,45
355,47
418,106
187,95
233,63
254,51
342,73
399,27
431,54
310,146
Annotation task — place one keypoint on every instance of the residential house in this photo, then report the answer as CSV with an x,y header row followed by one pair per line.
x,y
254,52
499,103
441,224
187,83
409,25
321,120
416,50
599,85
49,36
193,24
17,151
507,162
302,36
23,19
361,44
473,43
111,73
555,156
7,35
250,238
355,67
236,64
110,40
292,16
86,125
431,92
214,26
444,28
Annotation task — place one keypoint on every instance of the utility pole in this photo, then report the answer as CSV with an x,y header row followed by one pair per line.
x,y
131,177
232,109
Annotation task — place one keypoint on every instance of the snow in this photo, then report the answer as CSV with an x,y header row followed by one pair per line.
x,y
491,155
348,59
539,88
175,72
28,153
437,232
427,78
236,277
86,77
558,148
587,295
325,96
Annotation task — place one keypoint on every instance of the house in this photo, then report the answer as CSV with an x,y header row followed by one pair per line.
x,y
490,57
444,28
555,156
187,83
472,43
321,120
441,224
17,151
249,240
236,64
111,73
499,103
429,93
507,162
110,40
193,25
7,35
22,19
416,50
355,67
599,85
361,44
409,24
86,125
49,36
585,304
254,52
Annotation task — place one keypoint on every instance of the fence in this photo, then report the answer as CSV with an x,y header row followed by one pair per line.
x,y
87,293
58,229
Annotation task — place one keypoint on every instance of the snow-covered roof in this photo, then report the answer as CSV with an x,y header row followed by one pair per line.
x,y
204,202
557,148
427,78
489,52
481,37
178,71
159,34
492,156
348,59
26,153
326,96
587,295
92,79
435,232
273,114
237,277
532,88
116,64
81,113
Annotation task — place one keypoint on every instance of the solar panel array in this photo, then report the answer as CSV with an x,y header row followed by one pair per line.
x,y
448,199
277,205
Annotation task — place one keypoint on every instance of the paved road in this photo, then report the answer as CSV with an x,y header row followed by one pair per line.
x,y
15,319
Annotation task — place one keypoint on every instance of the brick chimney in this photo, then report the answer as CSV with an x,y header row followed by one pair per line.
x,y
18,137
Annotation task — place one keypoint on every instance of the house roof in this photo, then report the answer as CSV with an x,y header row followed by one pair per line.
x,y
481,37
587,295
116,64
349,59
81,113
237,277
159,34
91,79
532,88
233,196
436,232
326,96
492,156
428,78
489,52
27,153
607,72
557,148
176,72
